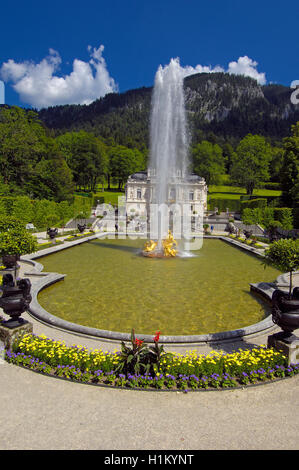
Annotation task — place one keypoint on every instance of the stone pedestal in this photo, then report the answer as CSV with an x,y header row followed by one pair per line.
x,y
13,271
9,335
288,347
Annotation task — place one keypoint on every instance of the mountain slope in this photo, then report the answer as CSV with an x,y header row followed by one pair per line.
x,y
229,106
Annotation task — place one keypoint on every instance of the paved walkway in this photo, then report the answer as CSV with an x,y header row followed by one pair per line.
x,y
39,412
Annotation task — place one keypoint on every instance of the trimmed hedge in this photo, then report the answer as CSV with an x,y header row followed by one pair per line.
x,y
253,204
222,204
296,217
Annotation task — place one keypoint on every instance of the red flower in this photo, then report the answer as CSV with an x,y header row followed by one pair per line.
x,y
138,342
156,338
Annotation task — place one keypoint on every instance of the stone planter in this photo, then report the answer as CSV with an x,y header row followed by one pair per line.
x,y
15,299
52,233
10,261
285,312
81,228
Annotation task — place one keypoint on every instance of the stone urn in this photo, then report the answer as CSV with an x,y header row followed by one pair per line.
x,y
52,233
81,228
10,261
285,312
247,233
15,299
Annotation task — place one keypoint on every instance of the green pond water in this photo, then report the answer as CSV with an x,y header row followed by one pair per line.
x,y
110,286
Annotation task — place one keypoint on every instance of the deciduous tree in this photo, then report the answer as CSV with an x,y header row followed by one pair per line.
x,y
250,163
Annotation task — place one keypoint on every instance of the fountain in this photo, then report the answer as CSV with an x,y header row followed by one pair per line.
x,y
169,248
168,153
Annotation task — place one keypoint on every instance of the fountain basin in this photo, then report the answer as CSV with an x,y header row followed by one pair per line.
x,y
180,314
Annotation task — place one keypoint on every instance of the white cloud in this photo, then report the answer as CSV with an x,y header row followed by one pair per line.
x,y
246,66
243,66
40,86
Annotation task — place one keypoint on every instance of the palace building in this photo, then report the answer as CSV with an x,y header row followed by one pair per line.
x,y
141,187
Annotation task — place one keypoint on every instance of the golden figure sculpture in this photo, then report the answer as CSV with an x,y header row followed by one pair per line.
x,y
150,246
169,247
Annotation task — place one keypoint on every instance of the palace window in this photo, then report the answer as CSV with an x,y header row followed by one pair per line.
x,y
172,194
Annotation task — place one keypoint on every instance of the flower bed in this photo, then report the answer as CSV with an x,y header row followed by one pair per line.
x,y
169,371
248,242
77,236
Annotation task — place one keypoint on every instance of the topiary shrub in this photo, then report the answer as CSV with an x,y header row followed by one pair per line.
x,y
284,254
17,241
10,222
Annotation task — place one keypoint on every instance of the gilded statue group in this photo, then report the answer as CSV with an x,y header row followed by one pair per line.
x,y
169,246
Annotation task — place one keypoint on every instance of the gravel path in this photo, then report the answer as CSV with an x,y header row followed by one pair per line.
x,y
41,412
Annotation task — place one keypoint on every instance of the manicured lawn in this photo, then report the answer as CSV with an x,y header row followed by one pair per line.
x,y
111,197
215,191
234,191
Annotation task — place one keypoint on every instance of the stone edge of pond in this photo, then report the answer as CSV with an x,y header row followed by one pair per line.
x,y
44,280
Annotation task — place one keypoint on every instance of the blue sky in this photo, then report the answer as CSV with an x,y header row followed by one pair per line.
x,y
41,40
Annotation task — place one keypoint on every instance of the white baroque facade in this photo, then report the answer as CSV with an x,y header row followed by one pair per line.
x,y
140,193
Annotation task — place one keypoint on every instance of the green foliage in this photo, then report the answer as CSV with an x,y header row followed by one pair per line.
x,y
17,241
52,178
21,144
250,164
253,203
208,161
290,168
296,217
285,216
223,203
22,209
276,164
45,213
268,217
123,162
251,216
82,207
138,358
132,359
42,213
64,212
86,155
271,185
284,254
97,198
30,161
10,222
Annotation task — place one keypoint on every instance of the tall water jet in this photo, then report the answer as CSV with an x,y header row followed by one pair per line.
x,y
168,141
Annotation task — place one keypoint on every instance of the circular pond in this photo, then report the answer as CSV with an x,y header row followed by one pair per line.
x,y
109,286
